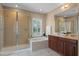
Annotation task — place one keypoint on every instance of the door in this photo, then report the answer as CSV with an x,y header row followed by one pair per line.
x,y
36,27
50,41
60,46
70,49
22,40
54,43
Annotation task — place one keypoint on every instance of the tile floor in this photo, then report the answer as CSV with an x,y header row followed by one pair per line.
x,y
41,52
38,47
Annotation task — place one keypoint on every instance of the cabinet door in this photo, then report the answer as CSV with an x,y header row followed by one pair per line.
x,y
54,43
60,46
70,49
49,42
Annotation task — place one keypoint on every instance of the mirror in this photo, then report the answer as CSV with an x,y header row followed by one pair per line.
x,y
67,22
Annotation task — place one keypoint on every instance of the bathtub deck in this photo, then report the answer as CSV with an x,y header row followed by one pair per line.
x,y
38,43
38,39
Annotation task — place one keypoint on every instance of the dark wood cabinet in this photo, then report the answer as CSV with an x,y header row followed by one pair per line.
x,y
60,46
70,48
50,42
53,42
63,46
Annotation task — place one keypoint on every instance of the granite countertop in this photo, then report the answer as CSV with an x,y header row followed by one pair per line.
x,y
74,37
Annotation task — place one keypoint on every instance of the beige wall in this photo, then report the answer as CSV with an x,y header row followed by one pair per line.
x,y
50,21
51,15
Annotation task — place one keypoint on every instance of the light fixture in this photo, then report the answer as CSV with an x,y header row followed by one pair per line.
x,y
65,6
16,5
40,9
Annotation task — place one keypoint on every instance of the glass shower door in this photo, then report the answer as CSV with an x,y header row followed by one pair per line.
x,y
22,41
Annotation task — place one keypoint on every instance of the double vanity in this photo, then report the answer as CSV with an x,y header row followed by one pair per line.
x,y
64,45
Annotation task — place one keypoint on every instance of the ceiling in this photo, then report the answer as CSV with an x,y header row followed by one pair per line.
x,y
35,7
70,12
